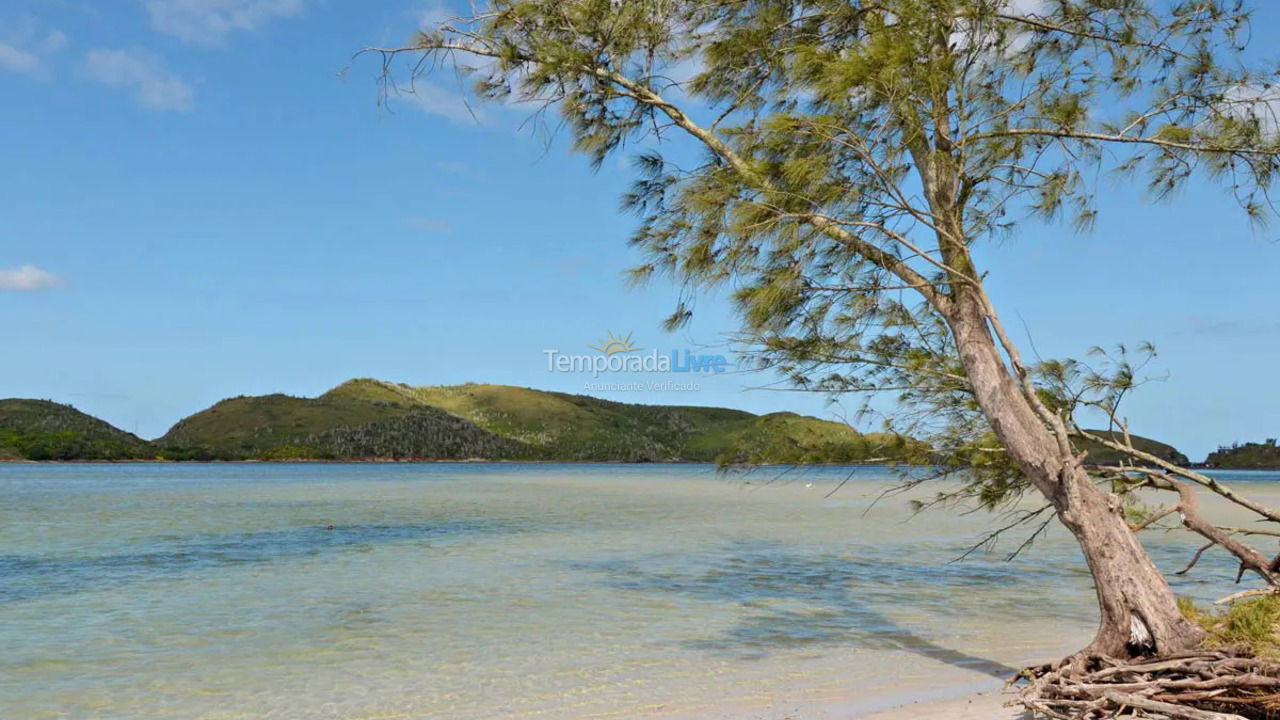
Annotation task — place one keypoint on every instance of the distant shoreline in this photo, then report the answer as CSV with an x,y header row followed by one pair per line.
x,y
373,421
427,461
500,461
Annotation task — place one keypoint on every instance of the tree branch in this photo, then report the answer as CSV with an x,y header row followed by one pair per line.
x,y
1063,133
1180,471
646,96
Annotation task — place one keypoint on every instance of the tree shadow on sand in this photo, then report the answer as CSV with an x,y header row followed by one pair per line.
x,y
800,599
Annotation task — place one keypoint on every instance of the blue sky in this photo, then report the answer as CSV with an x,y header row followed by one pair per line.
x,y
199,199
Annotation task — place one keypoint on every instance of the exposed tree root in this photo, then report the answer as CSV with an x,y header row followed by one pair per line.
x,y
1196,685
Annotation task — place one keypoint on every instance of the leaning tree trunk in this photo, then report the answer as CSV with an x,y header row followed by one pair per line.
x,y
1139,613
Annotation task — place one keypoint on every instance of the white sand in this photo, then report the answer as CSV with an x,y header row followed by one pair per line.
x,y
982,700
980,706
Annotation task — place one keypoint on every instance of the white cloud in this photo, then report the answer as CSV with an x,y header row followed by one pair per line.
x,y
1027,8
154,86
965,37
433,99
432,15
28,278
18,60
1256,103
208,22
25,46
54,41
686,69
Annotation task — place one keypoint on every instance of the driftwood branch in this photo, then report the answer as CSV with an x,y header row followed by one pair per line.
x,y
1196,685
1242,595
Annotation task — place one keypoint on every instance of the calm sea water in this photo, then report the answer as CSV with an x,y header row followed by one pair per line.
x,y
514,591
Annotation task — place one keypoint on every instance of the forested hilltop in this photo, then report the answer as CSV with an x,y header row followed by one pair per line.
x,y
45,430
1249,456
374,420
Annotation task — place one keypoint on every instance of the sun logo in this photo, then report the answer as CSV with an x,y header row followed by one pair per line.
x,y
612,344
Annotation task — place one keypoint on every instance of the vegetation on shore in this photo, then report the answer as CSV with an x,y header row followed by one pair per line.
x,y
1100,454
1251,624
366,419
370,419
45,430
1249,456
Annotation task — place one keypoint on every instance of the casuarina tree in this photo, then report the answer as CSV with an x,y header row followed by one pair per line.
x,y
834,163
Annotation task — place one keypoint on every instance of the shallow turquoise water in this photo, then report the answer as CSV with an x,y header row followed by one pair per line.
x,y
510,591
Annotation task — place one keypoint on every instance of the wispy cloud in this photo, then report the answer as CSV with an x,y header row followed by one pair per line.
x,y
440,92
25,46
28,278
428,225
1258,104
431,15
1028,8
143,72
208,22
434,99
15,59
1201,325
965,37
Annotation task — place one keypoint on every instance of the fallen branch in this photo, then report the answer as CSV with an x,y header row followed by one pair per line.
x,y
1196,685
1243,594
1170,709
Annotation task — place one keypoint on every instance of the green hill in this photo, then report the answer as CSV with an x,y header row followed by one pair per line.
x,y
791,438
250,427
278,427
370,418
45,430
1100,454
419,433
1249,456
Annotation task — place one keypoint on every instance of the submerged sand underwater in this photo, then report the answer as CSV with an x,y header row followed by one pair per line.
x,y
467,591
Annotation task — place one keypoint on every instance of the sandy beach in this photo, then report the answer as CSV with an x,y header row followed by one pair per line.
x,y
988,705
985,700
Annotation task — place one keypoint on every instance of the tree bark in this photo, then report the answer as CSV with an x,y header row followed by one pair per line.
x,y
1139,613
